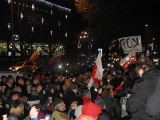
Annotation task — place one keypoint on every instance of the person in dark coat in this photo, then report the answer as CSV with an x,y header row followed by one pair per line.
x,y
46,107
142,89
116,83
152,105
70,96
21,84
104,114
3,80
94,91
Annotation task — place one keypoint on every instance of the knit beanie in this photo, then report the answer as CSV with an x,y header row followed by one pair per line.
x,y
44,100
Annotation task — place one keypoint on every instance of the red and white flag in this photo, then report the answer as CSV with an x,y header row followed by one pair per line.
x,y
34,57
97,72
55,58
129,59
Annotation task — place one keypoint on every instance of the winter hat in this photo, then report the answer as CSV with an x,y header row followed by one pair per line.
x,y
91,109
100,102
44,100
78,111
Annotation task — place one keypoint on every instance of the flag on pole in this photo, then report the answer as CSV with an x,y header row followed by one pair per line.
x,y
129,59
97,72
34,57
55,58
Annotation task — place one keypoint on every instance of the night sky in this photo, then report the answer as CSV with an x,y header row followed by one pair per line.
x,y
132,15
129,18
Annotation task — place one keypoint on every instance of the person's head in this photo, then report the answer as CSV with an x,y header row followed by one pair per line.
x,y
119,75
126,74
50,90
100,102
17,108
59,104
14,95
86,93
33,88
3,79
20,81
28,82
143,65
10,80
44,101
17,88
109,76
39,87
57,86
74,88
96,85
87,80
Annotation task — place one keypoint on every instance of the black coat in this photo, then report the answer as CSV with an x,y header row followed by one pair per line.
x,y
153,103
94,93
142,89
68,98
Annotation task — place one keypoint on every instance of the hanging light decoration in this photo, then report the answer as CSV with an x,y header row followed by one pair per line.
x,y
66,34
21,15
51,32
66,16
42,20
32,29
51,12
33,7
59,23
9,26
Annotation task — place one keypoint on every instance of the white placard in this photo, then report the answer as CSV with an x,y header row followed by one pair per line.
x,y
131,43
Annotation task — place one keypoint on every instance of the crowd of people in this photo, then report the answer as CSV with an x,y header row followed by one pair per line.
x,y
124,95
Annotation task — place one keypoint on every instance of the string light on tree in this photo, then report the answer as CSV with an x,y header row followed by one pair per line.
x,y
15,37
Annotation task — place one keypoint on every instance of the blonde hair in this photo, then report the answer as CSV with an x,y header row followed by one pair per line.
x,y
17,110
